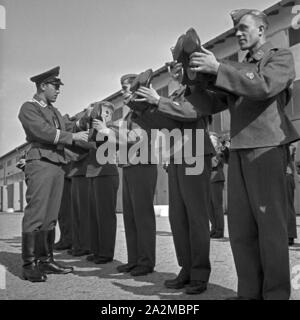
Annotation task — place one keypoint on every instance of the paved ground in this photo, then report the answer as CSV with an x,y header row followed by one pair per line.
x,y
92,281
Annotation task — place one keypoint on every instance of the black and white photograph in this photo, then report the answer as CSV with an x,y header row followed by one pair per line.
x,y
149,153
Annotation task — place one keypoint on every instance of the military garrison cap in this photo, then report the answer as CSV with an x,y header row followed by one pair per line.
x,y
50,76
238,14
130,77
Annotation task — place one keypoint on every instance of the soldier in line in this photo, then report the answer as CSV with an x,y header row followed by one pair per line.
x,y
256,92
290,176
188,194
48,133
102,199
217,179
139,183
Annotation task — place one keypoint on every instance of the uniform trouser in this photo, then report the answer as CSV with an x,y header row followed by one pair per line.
x,y
189,219
65,214
139,183
216,216
102,211
80,213
292,225
257,221
45,182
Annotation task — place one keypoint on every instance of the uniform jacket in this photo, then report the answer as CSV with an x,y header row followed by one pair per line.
x,y
46,130
181,106
256,93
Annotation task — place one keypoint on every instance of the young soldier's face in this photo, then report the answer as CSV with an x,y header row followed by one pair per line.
x,y
126,89
248,32
106,114
51,91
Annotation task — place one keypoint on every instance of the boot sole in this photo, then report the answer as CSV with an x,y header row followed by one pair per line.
x,y
34,280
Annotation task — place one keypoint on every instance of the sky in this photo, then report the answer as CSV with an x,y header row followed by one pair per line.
x,y
94,42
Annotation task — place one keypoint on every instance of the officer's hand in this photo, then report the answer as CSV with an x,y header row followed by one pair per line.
x,y
148,94
98,125
204,62
81,136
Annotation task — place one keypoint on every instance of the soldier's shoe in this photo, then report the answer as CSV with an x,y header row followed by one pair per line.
x,y
123,268
30,270
53,267
91,257
33,274
177,283
44,254
196,287
141,271
102,260
217,235
59,246
291,241
78,252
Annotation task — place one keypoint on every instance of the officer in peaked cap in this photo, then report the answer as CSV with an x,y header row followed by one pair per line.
x,y
50,76
48,133
260,135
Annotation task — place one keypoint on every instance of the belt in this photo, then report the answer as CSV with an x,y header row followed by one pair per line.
x,y
47,146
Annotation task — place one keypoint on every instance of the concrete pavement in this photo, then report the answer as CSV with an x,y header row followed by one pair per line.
x,y
102,282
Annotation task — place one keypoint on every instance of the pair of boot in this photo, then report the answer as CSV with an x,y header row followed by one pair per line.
x,y
37,255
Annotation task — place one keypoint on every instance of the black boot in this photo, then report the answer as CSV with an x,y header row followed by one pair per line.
x,y
30,269
45,255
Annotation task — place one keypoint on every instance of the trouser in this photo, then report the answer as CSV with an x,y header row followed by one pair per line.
x,y
292,224
257,220
189,219
65,214
80,213
45,182
102,212
216,216
139,183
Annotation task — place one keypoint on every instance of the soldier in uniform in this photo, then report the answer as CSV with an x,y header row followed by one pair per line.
x,y
139,183
48,133
65,214
217,180
189,194
102,201
290,177
256,92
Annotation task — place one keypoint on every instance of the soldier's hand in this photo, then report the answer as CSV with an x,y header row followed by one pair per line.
x,y
204,62
148,94
98,124
81,136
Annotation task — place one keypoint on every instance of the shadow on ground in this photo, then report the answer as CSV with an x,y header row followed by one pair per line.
x,y
214,292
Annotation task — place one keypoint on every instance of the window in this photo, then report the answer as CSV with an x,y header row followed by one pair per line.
x,y
164,91
9,162
1,166
294,36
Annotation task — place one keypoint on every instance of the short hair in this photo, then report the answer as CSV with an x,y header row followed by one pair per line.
x,y
260,17
107,104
